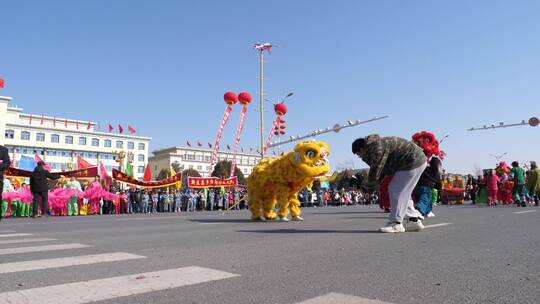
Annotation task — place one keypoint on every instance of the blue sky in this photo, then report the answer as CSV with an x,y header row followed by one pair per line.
x,y
163,66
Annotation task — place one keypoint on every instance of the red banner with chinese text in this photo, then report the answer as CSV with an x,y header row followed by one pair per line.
x,y
124,178
211,182
83,173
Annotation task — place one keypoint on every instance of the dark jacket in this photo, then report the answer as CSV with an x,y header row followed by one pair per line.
x,y
4,161
386,155
432,174
38,179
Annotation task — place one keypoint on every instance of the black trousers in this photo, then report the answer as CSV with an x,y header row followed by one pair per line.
x,y
1,188
40,199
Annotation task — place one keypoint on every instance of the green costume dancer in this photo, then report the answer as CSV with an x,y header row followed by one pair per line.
x,y
73,202
519,177
8,187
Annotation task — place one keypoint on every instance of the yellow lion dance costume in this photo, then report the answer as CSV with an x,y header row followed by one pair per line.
x,y
282,178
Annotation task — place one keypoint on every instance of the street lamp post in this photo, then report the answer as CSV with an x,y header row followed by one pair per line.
x,y
499,157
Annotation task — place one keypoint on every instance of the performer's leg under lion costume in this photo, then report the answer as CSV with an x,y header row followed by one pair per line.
x,y
282,178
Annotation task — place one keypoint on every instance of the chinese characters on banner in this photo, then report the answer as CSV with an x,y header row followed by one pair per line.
x,y
211,182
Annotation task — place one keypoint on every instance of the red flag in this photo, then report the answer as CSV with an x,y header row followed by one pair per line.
x,y
120,129
54,121
189,145
82,164
1,83
131,130
89,126
66,124
37,159
199,144
41,119
104,174
210,145
111,128
147,174
30,121
77,124
99,126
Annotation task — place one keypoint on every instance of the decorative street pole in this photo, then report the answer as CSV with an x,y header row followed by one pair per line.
x,y
336,128
499,157
533,122
261,47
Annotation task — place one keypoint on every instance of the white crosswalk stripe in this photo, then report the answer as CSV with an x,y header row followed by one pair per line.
x,y
42,248
15,235
338,298
67,261
521,212
111,288
21,241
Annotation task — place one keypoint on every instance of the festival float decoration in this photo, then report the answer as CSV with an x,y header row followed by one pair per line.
x,y
230,99
244,98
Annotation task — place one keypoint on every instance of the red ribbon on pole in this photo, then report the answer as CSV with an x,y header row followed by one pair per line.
x,y
239,130
224,121
269,138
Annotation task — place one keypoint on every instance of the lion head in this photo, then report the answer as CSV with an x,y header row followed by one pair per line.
x,y
311,158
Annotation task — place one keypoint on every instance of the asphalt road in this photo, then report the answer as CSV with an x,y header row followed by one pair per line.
x,y
470,255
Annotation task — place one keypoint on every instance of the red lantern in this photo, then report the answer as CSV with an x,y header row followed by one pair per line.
x,y
276,132
230,98
282,132
281,119
280,109
244,98
283,126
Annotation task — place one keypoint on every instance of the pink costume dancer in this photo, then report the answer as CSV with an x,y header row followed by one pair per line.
x,y
58,199
24,196
94,193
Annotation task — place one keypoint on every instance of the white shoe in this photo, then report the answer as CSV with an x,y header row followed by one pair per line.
x,y
284,219
420,216
297,218
415,226
393,228
431,214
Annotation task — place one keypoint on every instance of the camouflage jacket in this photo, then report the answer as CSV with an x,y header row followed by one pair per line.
x,y
386,155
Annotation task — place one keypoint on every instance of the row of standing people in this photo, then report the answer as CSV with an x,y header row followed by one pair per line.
x,y
143,201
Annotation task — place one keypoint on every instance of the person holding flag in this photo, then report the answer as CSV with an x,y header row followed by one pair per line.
x,y
40,189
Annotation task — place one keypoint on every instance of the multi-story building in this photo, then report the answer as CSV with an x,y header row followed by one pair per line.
x,y
58,141
198,159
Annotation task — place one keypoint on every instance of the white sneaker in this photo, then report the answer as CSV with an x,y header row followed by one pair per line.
x,y
431,214
297,218
415,226
420,216
393,228
284,219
